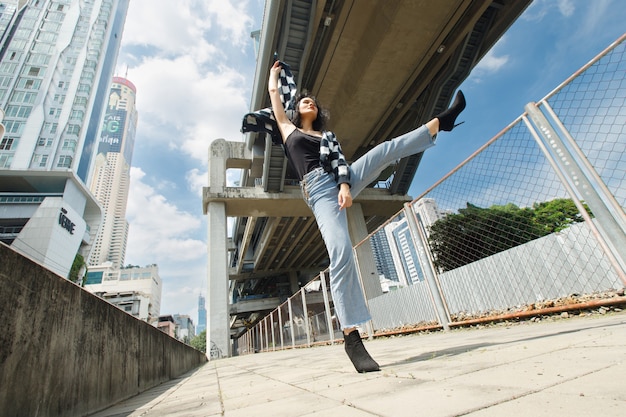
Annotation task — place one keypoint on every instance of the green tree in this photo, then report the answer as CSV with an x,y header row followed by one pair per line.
x,y
476,233
79,262
558,214
199,341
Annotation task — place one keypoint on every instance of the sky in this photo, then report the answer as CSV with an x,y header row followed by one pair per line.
x,y
193,63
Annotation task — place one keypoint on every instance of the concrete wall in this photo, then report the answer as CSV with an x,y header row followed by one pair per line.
x,y
65,352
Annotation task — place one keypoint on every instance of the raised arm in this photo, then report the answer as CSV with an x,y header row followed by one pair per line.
x,y
284,124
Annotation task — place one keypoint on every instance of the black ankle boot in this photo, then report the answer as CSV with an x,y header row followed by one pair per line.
x,y
448,117
361,360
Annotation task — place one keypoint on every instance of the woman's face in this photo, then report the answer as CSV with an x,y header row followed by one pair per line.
x,y
308,107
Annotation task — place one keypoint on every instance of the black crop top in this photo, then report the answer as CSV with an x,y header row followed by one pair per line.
x,y
303,151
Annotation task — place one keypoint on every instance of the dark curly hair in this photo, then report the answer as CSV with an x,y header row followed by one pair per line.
x,y
320,123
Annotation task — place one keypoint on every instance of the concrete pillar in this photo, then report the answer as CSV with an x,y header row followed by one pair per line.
x,y
293,282
218,320
364,254
218,323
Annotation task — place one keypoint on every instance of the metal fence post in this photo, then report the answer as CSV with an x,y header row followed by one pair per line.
x,y
293,336
609,233
280,324
267,338
261,336
305,311
271,316
430,276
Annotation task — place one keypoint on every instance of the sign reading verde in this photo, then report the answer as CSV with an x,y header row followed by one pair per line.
x,y
65,222
113,125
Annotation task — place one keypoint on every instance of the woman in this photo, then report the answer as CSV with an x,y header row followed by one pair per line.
x,y
329,185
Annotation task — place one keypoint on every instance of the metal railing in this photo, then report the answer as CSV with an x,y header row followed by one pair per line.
x,y
534,221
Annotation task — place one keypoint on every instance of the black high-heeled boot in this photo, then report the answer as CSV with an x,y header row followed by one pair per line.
x,y
448,117
361,360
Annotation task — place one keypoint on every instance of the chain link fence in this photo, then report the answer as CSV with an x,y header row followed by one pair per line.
x,y
532,221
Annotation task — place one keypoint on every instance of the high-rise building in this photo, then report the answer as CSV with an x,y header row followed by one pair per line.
x,y
393,247
427,213
201,315
408,254
396,254
383,256
57,58
111,175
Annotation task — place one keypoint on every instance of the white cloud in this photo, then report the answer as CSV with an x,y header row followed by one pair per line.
x,y
187,94
489,64
186,108
162,233
539,9
159,231
492,63
184,27
233,19
566,7
182,299
170,27
197,179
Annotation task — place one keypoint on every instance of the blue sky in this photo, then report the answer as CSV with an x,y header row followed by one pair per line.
x,y
193,64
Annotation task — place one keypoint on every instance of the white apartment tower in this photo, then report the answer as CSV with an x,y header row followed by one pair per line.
x,y
135,290
57,59
111,174
427,212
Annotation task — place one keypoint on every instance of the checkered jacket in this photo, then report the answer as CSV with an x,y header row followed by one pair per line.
x,y
332,158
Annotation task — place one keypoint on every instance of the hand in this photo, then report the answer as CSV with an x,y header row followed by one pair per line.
x,y
345,197
275,70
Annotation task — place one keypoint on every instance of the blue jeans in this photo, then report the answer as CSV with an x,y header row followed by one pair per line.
x,y
321,194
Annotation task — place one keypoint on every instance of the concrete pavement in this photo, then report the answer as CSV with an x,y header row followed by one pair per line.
x,y
556,367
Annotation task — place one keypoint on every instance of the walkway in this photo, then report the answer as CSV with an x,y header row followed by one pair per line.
x,y
556,367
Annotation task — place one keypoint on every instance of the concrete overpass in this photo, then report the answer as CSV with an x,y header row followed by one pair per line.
x,y
382,68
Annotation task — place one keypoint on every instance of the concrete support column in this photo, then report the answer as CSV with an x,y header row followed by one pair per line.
x,y
364,254
218,323
293,282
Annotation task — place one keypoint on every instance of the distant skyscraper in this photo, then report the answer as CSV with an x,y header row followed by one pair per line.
x,y
396,254
400,249
201,315
406,247
56,63
111,176
382,255
427,212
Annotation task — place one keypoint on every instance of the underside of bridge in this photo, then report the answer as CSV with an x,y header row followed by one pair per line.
x,y
382,68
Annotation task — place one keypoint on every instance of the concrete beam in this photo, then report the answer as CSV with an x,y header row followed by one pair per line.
x,y
249,306
254,202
